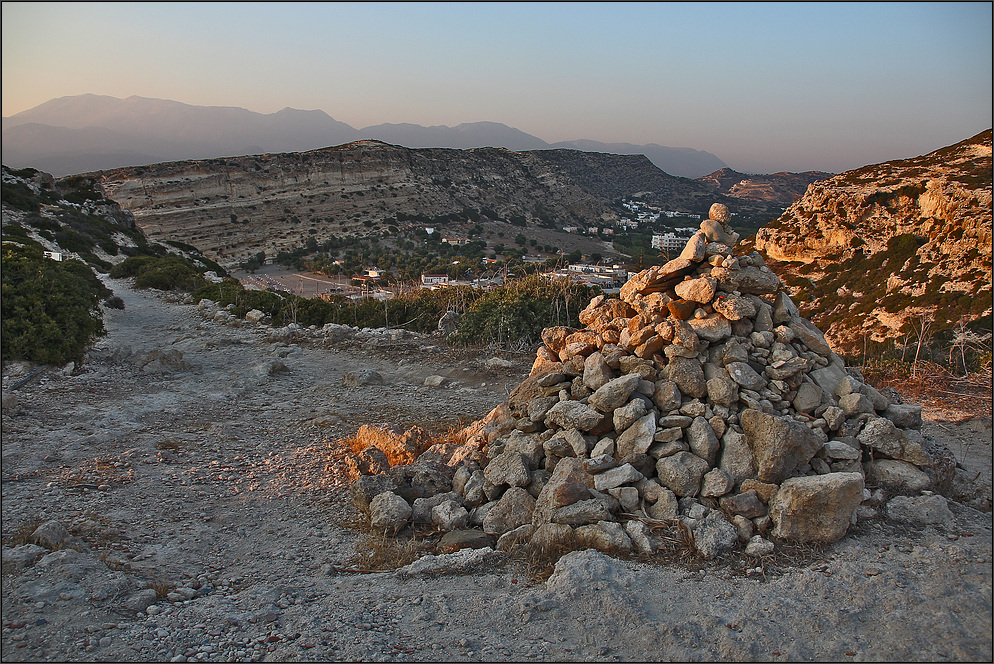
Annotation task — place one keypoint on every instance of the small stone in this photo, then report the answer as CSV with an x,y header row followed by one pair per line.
x,y
758,547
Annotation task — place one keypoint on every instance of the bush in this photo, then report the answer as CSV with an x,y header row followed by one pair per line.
x,y
167,273
518,313
19,197
51,312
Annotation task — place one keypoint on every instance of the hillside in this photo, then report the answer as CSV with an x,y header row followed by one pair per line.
x,y
781,188
233,208
880,251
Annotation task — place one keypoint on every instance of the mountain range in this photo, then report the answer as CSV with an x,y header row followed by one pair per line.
x,y
84,133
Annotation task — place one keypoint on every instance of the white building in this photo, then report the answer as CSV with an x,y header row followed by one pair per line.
x,y
434,279
668,241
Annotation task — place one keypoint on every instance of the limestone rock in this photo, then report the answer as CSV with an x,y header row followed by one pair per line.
x,y
421,509
389,512
682,473
816,508
422,479
615,477
614,394
898,477
637,438
700,290
367,487
51,535
929,510
569,471
513,538
702,440
604,536
780,446
737,458
714,535
514,509
713,327
759,547
450,515
574,415
400,446
904,416
879,433
456,540
19,558
688,375
552,538
371,461
716,483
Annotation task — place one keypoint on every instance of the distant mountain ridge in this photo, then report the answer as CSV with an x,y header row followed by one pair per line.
x,y
90,132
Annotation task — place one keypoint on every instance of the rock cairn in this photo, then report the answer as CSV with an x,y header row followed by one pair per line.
x,y
699,396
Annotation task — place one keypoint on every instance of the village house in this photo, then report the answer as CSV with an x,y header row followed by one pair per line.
x,y
668,241
432,280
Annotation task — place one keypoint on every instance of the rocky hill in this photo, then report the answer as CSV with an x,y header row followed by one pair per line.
x,y
781,188
878,251
233,208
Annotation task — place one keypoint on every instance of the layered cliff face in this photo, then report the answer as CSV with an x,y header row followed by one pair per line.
x,y
869,252
235,207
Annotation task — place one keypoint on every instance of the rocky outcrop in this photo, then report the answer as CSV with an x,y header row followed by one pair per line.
x,y
731,415
781,188
869,251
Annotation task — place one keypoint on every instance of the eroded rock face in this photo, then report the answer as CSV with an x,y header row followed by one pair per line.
x,y
940,203
733,419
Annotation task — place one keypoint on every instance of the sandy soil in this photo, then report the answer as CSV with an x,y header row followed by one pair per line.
x,y
222,474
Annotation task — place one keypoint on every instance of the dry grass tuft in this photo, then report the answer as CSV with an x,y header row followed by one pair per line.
x,y
381,552
161,586
21,534
943,395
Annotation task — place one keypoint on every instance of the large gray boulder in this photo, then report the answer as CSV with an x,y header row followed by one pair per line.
x,y
780,446
816,508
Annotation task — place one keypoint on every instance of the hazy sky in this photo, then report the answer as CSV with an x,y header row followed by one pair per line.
x,y
765,87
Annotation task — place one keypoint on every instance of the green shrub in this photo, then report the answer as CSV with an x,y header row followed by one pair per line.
x,y
166,273
19,196
51,312
518,313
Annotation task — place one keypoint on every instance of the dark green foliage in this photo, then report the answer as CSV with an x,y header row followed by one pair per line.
x,y
19,196
24,173
167,273
518,313
51,310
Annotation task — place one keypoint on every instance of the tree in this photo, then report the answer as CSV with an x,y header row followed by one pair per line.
x,y
520,239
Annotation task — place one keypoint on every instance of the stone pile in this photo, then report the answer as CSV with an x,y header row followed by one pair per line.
x,y
699,396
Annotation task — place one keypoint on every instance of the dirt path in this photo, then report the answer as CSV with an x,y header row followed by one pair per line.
x,y
219,474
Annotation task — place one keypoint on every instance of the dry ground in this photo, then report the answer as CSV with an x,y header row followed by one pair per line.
x,y
224,474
